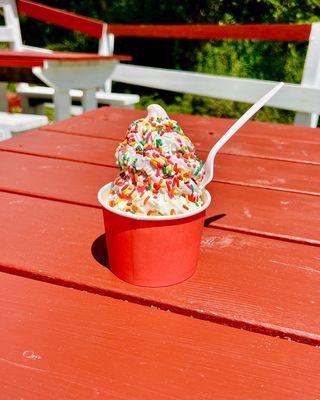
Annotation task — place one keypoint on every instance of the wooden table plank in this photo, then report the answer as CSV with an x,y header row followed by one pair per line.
x,y
285,150
250,282
279,175
120,120
246,209
289,216
270,143
50,178
118,350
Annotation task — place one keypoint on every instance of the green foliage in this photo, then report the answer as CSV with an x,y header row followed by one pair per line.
x,y
252,59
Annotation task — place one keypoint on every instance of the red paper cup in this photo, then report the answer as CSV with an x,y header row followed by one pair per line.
x,y
152,251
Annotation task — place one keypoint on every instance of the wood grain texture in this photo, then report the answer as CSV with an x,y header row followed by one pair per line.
x,y
86,346
254,140
290,216
50,178
280,175
246,281
246,209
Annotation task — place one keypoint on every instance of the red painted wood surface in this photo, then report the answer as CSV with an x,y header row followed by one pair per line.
x,y
259,172
204,124
247,278
246,281
247,209
56,179
286,32
56,16
266,173
93,27
74,345
32,59
282,215
255,139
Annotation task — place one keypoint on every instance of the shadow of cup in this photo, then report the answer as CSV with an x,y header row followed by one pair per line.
x,y
99,251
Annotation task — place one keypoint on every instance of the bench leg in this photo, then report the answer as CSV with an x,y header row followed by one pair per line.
x,y
306,119
3,97
311,74
108,86
40,109
4,134
62,104
89,101
25,103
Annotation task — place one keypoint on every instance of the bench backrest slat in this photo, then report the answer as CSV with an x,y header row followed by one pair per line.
x,y
291,97
284,32
92,27
89,26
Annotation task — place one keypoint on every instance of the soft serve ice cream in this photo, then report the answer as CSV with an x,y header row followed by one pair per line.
x,y
160,173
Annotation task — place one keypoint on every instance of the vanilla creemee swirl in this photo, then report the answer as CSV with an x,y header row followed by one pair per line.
x,y
159,170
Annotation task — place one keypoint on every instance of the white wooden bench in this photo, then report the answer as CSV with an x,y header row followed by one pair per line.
x,y
16,122
45,93
4,134
13,123
303,98
12,33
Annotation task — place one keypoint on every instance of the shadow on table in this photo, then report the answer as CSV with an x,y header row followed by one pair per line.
x,y
214,218
99,251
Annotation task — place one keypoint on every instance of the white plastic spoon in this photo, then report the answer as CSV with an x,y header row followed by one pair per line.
x,y
209,164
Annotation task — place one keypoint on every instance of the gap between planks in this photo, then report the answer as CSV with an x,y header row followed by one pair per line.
x,y
290,335
35,269
201,149
276,236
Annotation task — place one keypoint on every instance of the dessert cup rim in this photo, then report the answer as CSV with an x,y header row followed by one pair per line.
x,y
102,191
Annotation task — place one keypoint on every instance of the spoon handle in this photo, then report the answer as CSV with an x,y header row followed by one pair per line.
x,y
244,118
234,128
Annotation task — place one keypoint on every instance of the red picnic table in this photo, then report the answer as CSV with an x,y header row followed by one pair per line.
x,y
245,326
64,71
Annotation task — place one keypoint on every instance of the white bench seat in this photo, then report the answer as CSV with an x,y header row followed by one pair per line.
x,y
46,93
4,134
16,122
